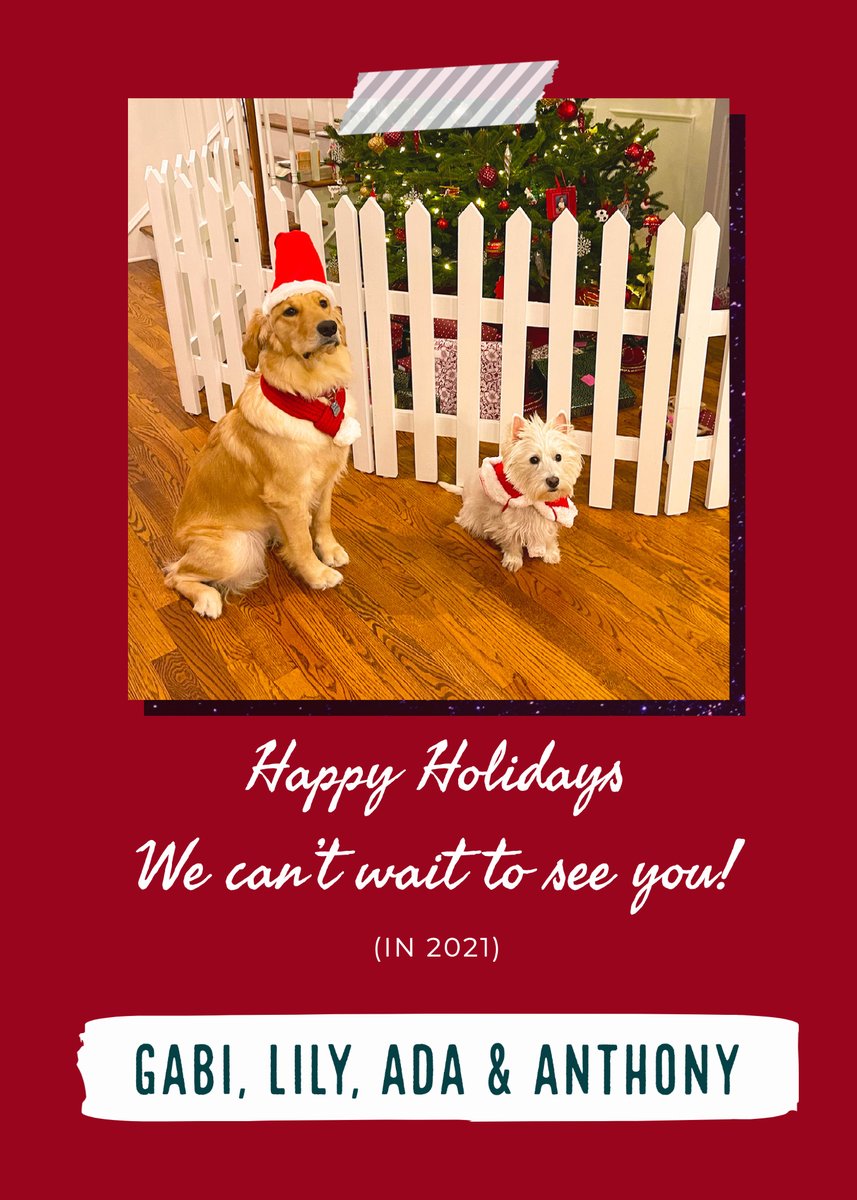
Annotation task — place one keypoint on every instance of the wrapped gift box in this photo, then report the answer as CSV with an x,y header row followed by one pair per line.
x,y
446,381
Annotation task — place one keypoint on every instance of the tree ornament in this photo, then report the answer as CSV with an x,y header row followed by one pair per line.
x,y
417,140
487,176
450,191
634,152
386,197
567,111
503,206
442,223
435,251
507,160
581,121
652,223
364,191
531,198
399,234
584,245
392,139
377,144
337,154
494,248
646,160
411,197
601,215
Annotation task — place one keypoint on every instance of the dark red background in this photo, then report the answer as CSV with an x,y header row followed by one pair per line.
x,y
96,778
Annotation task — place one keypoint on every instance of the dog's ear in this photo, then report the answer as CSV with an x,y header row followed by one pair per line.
x,y
519,425
256,338
560,422
340,324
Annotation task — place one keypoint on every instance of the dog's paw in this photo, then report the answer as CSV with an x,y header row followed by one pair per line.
x,y
512,562
349,432
210,604
326,578
551,555
333,555
537,551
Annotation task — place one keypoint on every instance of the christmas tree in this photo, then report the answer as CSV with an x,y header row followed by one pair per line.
x,y
563,160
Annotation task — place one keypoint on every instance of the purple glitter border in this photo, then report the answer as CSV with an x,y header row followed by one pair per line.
x,y
734,706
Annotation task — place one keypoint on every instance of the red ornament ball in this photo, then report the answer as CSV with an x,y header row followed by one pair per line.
x,y
442,223
394,139
634,151
567,111
399,235
486,176
503,205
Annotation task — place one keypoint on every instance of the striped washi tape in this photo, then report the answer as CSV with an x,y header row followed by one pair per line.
x,y
447,97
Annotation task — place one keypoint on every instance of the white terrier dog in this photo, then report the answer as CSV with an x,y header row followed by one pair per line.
x,y
519,500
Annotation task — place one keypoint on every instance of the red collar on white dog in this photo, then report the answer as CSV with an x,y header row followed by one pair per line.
x,y
498,488
326,414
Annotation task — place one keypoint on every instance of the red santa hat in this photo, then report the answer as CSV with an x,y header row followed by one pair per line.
x,y
298,270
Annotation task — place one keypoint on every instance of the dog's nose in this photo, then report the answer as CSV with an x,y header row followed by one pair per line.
x,y
326,328
553,482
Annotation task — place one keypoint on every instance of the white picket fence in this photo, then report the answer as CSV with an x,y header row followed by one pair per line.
x,y
209,257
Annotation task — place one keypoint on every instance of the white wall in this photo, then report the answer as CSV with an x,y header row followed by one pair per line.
x,y
159,129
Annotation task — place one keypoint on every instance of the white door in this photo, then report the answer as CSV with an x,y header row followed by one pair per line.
x,y
690,166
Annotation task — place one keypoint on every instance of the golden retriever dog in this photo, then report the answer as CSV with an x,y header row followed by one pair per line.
x,y
269,468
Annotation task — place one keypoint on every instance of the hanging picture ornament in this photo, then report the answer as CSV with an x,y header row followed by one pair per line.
x,y
377,144
393,139
494,248
584,245
634,152
503,206
567,111
486,176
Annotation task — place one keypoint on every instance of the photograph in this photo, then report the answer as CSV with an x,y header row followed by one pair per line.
x,y
398,435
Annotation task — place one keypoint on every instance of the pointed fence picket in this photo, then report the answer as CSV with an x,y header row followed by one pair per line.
x,y
208,248
351,297
656,385
608,360
704,245
516,286
418,238
563,287
376,286
469,349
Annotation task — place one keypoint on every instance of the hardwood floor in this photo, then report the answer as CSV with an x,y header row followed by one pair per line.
x,y
638,608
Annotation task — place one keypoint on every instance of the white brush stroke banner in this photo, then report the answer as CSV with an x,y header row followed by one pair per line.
x,y
574,1067
447,97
